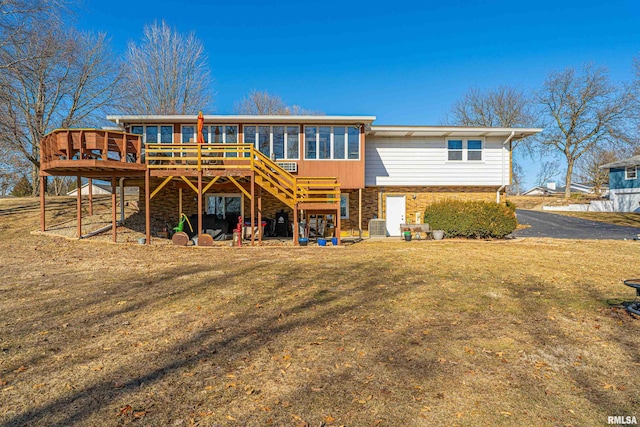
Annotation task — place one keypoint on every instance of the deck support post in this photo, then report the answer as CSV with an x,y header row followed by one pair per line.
x,y
43,190
114,208
199,203
147,205
338,224
296,227
260,231
90,188
360,212
253,209
179,203
79,204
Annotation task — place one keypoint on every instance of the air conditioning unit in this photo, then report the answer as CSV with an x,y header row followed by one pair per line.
x,y
378,228
288,166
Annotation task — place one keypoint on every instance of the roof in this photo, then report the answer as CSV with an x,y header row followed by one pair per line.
x,y
450,131
249,119
631,161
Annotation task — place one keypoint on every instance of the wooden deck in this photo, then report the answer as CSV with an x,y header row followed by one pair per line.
x,y
105,154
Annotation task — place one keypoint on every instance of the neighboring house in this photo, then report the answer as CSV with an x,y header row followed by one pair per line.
x,y
100,189
552,190
624,184
387,172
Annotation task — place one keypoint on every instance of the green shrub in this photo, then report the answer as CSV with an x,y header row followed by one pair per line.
x,y
471,219
510,205
22,188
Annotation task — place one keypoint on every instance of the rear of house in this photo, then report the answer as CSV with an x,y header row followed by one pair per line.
x,y
336,172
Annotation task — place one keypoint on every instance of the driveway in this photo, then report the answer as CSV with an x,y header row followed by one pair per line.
x,y
545,224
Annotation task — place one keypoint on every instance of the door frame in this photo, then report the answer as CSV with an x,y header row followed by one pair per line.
x,y
404,214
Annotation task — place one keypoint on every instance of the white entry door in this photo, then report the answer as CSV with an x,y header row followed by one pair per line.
x,y
396,207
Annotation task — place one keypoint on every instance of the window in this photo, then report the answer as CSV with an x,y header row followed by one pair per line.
x,y
474,149
631,172
188,134
344,206
332,142
153,134
464,150
280,141
455,149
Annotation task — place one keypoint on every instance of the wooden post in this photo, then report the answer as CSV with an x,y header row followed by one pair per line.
x,y
114,208
79,205
253,206
147,206
199,203
90,188
296,227
260,231
360,212
179,203
43,190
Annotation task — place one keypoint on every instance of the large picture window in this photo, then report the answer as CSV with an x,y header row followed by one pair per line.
x,y
216,134
279,141
332,143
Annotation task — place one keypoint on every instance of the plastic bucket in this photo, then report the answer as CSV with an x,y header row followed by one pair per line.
x,y
322,242
334,241
303,241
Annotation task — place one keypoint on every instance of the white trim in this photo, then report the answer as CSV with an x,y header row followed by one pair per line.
x,y
256,143
455,132
331,143
243,119
465,150
626,173
346,196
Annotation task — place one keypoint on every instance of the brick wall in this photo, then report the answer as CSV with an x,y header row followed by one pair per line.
x,y
374,201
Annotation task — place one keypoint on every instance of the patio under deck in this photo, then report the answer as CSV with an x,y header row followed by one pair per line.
x,y
95,153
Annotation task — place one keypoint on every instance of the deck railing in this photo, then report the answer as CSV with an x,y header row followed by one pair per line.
x,y
91,144
286,187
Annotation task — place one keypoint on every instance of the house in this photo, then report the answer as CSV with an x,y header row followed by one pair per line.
x,y
342,170
552,190
98,189
624,184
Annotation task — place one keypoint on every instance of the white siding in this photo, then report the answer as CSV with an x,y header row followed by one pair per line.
x,y
423,161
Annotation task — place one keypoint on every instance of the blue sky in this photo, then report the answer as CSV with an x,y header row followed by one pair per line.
x,y
405,64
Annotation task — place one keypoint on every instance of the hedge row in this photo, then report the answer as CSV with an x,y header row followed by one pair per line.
x,y
471,219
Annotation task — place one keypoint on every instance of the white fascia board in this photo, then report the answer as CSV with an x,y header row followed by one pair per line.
x,y
242,119
450,131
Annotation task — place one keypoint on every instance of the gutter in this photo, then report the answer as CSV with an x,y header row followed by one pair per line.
x,y
506,141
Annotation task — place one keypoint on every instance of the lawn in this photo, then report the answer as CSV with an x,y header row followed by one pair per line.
x,y
380,333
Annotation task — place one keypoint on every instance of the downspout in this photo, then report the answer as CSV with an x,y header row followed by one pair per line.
x,y
506,141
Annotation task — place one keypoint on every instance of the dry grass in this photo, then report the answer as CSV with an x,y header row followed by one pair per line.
x,y
382,333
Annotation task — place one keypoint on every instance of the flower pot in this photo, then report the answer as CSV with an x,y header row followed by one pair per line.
x,y
303,241
407,236
142,240
322,242
334,241
437,234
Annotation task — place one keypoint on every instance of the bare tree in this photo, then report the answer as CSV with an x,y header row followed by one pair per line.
x,y
584,111
263,103
515,189
549,170
20,18
67,79
588,168
167,73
